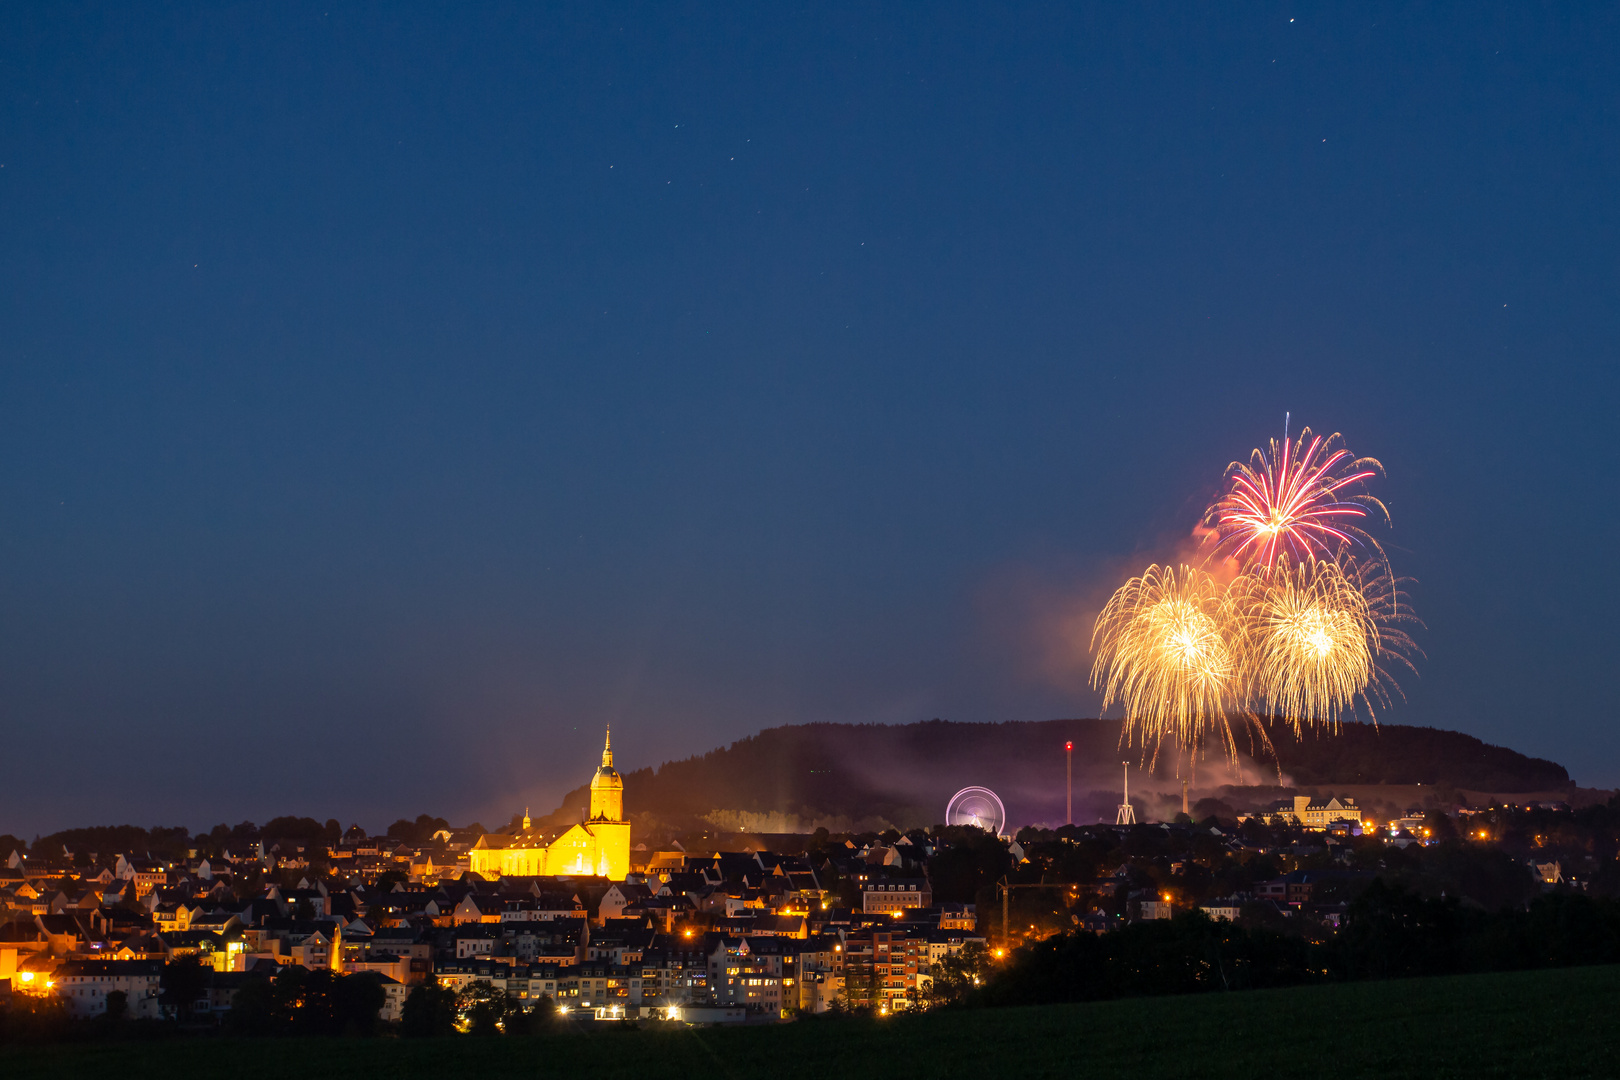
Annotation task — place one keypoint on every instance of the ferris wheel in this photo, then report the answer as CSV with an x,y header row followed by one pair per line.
x,y
979,807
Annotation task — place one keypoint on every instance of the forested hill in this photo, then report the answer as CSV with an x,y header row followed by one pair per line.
x,y
854,775
1397,754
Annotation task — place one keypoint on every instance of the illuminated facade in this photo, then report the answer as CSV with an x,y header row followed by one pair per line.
x,y
599,846
889,896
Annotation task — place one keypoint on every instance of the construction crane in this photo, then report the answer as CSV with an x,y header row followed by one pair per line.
x,y
1005,888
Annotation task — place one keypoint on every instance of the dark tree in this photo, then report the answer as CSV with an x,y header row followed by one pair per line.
x,y
974,860
182,984
1439,825
254,1011
356,1001
293,828
429,1012
389,878
419,831
956,974
34,1018
304,1002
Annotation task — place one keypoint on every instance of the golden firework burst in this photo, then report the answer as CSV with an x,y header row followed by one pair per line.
x,y
1162,652
1302,642
1307,638
1307,632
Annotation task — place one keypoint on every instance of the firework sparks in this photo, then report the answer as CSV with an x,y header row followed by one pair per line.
x,y
1297,501
1162,653
1305,631
1315,637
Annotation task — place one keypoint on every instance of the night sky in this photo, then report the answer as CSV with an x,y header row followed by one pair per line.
x,y
391,397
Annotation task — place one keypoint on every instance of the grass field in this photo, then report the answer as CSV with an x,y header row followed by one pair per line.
x,y
1563,1023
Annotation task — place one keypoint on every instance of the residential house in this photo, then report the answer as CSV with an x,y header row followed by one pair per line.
x,y
885,895
746,973
883,967
84,985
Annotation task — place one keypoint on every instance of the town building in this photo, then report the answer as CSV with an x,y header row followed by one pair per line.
x,y
751,973
884,896
1308,812
1148,910
84,986
884,969
1226,908
598,846
1320,814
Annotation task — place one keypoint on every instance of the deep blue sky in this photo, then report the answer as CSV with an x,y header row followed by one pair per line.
x,y
392,396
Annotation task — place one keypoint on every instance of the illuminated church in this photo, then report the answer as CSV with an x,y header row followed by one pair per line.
x,y
599,846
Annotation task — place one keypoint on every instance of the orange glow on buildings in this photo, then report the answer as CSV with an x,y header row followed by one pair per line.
x,y
599,846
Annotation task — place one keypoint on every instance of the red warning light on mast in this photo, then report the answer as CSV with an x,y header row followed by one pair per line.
x,y
1068,782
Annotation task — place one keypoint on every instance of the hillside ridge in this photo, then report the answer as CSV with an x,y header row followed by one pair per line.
x,y
859,776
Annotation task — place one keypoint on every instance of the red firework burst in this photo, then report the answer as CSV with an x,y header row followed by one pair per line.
x,y
1299,499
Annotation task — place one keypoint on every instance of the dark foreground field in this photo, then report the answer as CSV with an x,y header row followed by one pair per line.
x,y
1559,1023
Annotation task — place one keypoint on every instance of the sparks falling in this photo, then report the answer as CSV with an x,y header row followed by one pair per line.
x,y
1316,637
1162,652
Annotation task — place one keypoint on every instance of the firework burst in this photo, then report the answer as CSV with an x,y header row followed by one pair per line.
x,y
1314,637
1308,628
1297,501
1162,652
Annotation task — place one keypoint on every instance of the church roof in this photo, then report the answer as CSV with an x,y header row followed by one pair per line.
x,y
533,838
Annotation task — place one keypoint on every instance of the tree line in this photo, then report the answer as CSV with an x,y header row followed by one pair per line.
x,y
1387,932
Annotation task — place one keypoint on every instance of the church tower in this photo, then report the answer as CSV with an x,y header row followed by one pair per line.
x,y
599,847
607,787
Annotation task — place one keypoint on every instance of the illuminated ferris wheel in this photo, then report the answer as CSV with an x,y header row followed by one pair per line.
x,y
979,807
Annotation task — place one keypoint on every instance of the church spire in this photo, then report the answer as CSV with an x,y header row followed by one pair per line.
x,y
607,788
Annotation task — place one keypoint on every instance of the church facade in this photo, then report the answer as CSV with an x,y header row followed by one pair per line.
x,y
598,846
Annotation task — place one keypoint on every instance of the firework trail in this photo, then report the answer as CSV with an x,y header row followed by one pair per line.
x,y
1297,500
